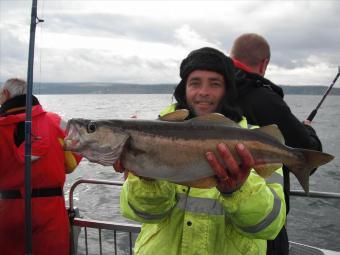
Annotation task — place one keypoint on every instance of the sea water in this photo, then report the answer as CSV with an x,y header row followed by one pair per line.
x,y
311,221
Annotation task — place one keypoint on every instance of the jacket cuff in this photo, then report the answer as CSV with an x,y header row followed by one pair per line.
x,y
317,145
231,201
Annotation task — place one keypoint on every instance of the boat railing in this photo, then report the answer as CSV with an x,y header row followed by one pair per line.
x,y
78,222
314,194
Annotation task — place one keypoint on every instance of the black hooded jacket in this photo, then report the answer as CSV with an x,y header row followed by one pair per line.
x,y
262,104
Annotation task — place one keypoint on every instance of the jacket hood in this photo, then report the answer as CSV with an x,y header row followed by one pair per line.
x,y
246,82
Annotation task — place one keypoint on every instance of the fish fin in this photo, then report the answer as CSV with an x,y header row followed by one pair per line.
x,y
266,170
215,117
273,131
178,115
302,169
204,183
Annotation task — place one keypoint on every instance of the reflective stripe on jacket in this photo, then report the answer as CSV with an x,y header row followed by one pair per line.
x,y
183,220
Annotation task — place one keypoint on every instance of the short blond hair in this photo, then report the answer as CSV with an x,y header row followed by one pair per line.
x,y
250,49
15,87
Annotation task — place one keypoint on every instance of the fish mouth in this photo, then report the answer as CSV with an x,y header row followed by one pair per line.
x,y
71,144
72,139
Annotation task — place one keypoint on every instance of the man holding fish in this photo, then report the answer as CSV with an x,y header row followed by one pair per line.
x,y
197,179
235,217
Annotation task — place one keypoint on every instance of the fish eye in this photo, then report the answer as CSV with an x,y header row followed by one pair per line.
x,y
91,127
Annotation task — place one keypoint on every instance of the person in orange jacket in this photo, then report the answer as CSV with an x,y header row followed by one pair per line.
x,y
50,225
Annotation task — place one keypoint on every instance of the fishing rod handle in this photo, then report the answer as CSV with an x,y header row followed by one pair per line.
x,y
312,115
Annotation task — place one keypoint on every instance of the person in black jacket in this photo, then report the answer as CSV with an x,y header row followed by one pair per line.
x,y
262,103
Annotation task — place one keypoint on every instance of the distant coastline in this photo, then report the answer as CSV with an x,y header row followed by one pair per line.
x,y
126,88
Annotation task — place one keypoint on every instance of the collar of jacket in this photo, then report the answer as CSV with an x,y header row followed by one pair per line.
x,y
241,65
247,80
16,105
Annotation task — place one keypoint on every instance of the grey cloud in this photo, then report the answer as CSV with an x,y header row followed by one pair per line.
x,y
13,57
111,25
312,33
293,38
293,48
103,66
16,49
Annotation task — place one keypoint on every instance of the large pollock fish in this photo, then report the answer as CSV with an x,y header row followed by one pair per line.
x,y
174,149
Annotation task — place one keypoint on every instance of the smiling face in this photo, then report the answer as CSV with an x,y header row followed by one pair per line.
x,y
204,91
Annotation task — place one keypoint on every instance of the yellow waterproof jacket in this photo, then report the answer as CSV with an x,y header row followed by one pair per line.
x,y
181,220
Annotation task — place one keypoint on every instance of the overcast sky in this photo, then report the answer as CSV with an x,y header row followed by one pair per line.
x,y
145,41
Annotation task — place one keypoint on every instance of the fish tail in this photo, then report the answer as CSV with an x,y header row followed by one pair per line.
x,y
311,160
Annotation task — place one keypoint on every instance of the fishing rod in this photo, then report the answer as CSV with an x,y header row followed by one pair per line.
x,y
313,113
28,129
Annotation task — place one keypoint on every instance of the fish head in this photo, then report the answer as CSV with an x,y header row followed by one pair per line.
x,y
98,141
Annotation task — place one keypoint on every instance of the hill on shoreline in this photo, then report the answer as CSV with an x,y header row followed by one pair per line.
x,y
126,88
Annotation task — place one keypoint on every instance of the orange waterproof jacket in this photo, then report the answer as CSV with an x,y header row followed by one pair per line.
x,y
48,158
50,229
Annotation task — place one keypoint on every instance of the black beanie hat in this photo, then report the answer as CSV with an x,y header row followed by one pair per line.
x,y
212,60
205,59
